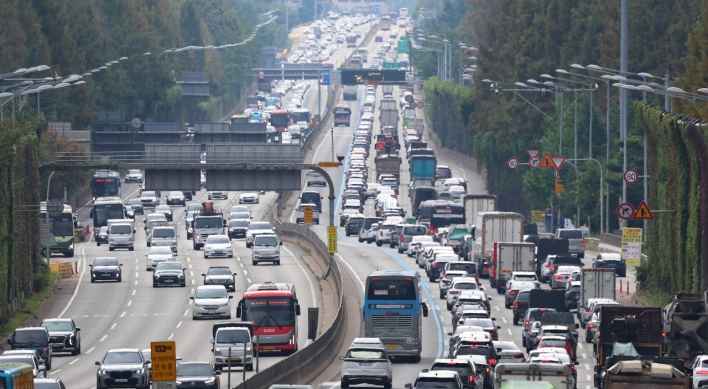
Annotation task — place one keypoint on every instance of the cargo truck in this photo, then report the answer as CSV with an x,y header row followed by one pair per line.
x,y
389,117
685,326
558,375
416,124
349,92
208,221
644,372
493,227
423,167
475,203
388,164
388,103
235,340
546,247
507,258
596,283
420,194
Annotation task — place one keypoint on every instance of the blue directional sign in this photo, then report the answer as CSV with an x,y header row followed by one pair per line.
x,y
377,9
326,76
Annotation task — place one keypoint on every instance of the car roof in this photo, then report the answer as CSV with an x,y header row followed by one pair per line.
x,y
438,374
123,350
221,287
553,337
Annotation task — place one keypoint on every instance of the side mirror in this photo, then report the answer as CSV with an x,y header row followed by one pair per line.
x,y
89,266
341,358
217,372
184,269
297,310
224,223
78,329
98,363
522,360
499,327
9,341
211,340
489,298
230,297
192,297
576,363
449,334
120,264
133,231
494,319
408,386
281,243
145,220
147,361
238,312
203,275
425,370
499,350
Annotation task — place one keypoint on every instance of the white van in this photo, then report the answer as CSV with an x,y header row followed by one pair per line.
x,y
300,214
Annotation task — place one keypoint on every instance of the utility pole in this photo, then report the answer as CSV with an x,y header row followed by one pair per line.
x,y
624,56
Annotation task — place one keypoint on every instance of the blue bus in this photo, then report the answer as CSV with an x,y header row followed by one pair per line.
x,y
15,375
392,312
105,184
256,117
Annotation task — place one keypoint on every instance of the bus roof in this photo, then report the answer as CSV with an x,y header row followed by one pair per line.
x,y
15,368
390,273
279,112
108,200
239,117
301,110
270,289
43,207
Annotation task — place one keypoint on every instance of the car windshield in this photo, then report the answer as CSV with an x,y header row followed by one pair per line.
x,y
570,234
218,239
239,223
219,271
506,346
57,326
112,358
176,194
30,336
270,241
122,229
163,233
162,250
524,277
484,323
105,262
208,222
232,336
260,226
18,358
148,193
435,383
464,285
459,368
194,370
553,342
211,293
169,266
474,351
240,215
366,354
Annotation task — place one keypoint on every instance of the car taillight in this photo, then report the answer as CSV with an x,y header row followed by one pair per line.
x,y
526,323
452,292
493,333
487,370
547,265
572,368
553,269
702,372
403,238
513,292
559,277
519,356
461,321
492,361
471,378
582,242
591,325
516,305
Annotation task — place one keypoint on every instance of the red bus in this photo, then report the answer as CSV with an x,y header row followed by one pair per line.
x,y
342,115
351,40
280,119
328,65
272,308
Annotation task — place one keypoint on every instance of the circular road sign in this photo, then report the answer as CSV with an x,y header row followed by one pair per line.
x,y
631,176
512,163
55,207
420,105
534,162
625,211
412,105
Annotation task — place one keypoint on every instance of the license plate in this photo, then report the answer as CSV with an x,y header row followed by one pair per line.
x,y
169,280
268,347
57,344
121,380
105,274
391,346
365,364
218,252
236,359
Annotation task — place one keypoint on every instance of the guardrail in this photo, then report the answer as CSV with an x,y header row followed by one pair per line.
x,y
313,359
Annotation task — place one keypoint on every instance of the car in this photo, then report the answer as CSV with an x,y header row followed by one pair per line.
x,y
514,287
176,198
576,241
489,353
611,261
532,315
592,327
300,213
129,212
123,368
523,276
39,371
435,264
553,355
415,243
134,175
315,179
465,368
137,205
446,280
248,198
552,341
521,304
149,198
238,228
508,352
554,261
165,210
218,245
217,194
211,301
354,224
408,232
561,276
572,294
344,216
106,268
102,236
220,275
469,312
487,325
169,273
457,286
257,228
195,207
48,383
64,335
158,254
437,379
442,171
366,365
198,375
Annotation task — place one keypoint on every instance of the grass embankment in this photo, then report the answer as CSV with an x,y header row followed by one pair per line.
x,y
44,283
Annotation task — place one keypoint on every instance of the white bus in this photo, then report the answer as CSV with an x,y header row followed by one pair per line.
x,y
403,13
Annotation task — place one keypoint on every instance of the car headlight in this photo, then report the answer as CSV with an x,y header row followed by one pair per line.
x,y
181,275
102,372
178,383
210,381
174,241
217,351
156,276
249,348
198,237
153,243
139,371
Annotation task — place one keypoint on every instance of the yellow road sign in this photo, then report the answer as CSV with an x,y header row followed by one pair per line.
x,y
328,164
308,215
632,245
559,187
332,239
164,361
538,216
547,162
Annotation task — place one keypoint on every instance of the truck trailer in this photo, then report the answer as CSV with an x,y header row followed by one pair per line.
x,y
507,258
493,227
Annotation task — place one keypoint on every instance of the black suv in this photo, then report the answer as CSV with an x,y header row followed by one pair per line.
x,y
169,273
123,368
521,304
33,338
238,228
442,172
611,261
220,275
198,375
137,205
64,335
572,294
106,268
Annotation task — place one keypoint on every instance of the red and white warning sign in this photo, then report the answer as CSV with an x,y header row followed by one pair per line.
x,y
558,161
532,152
534,162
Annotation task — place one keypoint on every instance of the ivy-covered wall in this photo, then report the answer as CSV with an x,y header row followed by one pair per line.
x,y
678,171
20,257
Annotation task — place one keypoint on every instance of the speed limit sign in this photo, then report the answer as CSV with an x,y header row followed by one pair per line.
x,y
631,176
512,163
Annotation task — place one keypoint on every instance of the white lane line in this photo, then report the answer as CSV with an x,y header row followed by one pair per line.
x,y
186,312
509,331
239,258
245,271
103,338
587,367
190,265
504,320
136,282
171,335
74,361
580,345
442,319
136,266
352,270
114,325
137,274
91,349
130,302
133,292
249,280
240,264
179,325
54,372
584,357
191,291
192,282
497,308
82,261
122,314
189,260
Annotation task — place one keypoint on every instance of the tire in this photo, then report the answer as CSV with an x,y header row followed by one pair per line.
x,y
391,245
154,284
78,351
249,367
277,263
206,256
74,352
93,281
507,306
378,243
248,246
111,248
523,343
130,249
98,244
500,291
442,295
431,279
231,256
516,320
69,255
387,386
254,263
184,284
120,278
449,306
361,240
400,251
343,384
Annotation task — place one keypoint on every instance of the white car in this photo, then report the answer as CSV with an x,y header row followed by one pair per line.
x,y
218,245
385,230
218,194
416,242
134,175
446,280
158,254
211,301
458,285
366,365
248,198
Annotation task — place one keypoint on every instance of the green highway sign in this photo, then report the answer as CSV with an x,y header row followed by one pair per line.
x,y
403,47
391,65
404,38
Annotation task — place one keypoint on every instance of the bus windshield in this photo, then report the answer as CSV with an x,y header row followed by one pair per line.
x,y
279,119
300,116
62,225
391,290
103,212
269,312
104,186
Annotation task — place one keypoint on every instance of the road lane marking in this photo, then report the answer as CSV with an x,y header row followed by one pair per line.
x,y
191,273
497,308
82,260
352,269
130,302
240,264
509,331
91,349
190,265
580,345
249,280
133,292
186,312
54,372
504,320
122,314
192,282
442,319
136,282
114,325
584,357
74,361
179,325
171,335
103,338
246,272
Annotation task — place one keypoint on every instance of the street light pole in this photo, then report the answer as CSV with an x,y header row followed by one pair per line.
x,y
46,218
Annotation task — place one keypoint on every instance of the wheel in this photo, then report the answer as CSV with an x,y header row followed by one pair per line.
x,y
93,280
400,251
415,359
277,262
507,306
120,278
74,352
69,255
378,243
205,256
387,386
391,245
442,295
343,384
248,245
110,249
516,320
449,306
249,367
523,342
130,249
347,233
500,291
231,255
254,263
431,279
183,284
360,240
154,284
78,350
98,243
